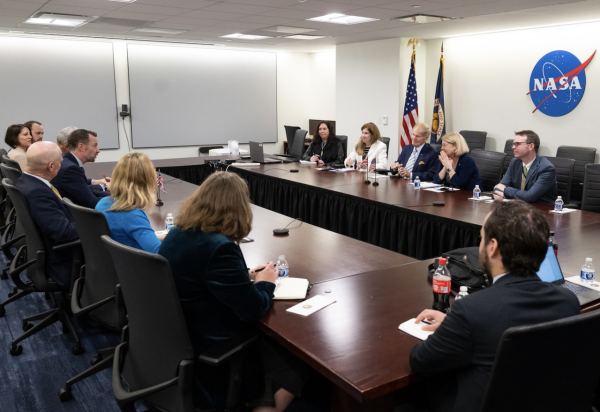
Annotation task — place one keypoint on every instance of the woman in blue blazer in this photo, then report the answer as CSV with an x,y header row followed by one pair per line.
x,y
458,169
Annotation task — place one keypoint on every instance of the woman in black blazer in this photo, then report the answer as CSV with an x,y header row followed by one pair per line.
x,y
326,148
458,169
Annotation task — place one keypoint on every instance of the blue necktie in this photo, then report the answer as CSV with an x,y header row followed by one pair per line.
x,y
411,161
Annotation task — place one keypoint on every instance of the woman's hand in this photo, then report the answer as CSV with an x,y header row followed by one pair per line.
x,y
320,163
372,167
315,158
252,272
348,162
445,160
268,274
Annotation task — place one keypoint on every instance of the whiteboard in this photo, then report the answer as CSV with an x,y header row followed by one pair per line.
x,y
183,96
59,83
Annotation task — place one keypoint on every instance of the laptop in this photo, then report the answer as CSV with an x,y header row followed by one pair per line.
x,y
551,272
257,155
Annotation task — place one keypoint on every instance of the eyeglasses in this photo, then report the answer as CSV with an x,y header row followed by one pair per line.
x,y
516,144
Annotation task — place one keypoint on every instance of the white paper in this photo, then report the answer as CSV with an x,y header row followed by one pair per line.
x,y
565,210
245,164
577,279
435,190
479,199
426,185
306,162
343,170
161,232
414,329
290,288
310,306
219,152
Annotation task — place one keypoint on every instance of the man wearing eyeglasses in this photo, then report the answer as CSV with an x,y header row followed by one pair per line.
x,y
418,158
529,177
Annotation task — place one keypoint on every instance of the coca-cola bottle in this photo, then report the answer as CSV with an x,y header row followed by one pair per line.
x,y
441,287
552,242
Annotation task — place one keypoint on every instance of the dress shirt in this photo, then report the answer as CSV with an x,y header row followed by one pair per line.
x,y
40,178
80,163
499,276
418,150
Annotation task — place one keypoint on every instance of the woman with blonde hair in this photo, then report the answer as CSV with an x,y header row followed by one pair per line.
x,y
370,149
132,195
221,299
458,168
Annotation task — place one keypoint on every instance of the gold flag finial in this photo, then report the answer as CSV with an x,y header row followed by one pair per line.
x,y
414,42
442,49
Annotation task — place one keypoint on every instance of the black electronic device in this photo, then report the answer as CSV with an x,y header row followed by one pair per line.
x,y
124,111
280,232
294,170
439,203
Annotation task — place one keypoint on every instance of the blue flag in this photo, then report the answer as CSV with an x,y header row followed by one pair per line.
x,y
438,124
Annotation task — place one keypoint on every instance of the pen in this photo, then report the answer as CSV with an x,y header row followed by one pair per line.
x,y
104,176
426,322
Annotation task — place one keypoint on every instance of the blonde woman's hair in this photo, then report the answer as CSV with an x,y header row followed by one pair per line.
x,y
456,139
375,136
133,184
220,205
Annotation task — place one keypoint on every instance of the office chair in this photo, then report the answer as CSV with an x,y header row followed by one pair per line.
x,y
544,368
475,140
11,163
490,167
297,150
156,357
96,293
386,140
290,133
206,149
509,155
344,140
436,146
591,189
12,231
35,255
564,176
583,156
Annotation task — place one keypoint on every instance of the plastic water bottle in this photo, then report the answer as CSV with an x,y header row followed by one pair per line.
x,y
417,183
552,242
464,291
282,267
587,271
441,287
558,205
476,193
169,222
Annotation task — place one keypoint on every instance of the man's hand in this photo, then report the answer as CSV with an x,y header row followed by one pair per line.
x,y
402,171
396,165
500,186
434,317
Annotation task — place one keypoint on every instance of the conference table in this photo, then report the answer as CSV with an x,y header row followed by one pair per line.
x,y
355,342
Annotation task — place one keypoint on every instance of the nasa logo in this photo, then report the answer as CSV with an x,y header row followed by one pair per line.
x,y
557,83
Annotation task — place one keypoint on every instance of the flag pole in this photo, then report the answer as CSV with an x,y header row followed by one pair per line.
x,y
159,202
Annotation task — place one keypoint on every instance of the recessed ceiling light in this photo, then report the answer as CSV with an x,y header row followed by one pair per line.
x,y
303,37
339,18
245,36
416,6
54,19
158,31
423,18
288,29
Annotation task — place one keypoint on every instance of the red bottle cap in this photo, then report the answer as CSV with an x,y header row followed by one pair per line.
x,y
442,261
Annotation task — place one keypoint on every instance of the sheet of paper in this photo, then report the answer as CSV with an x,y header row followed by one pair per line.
x,y
245,164
290,288
479,199
565,210
161,232
414,329
577,279
305,162
426,185
436,190
310,306
343,170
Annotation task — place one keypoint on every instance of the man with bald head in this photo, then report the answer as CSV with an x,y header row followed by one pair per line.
x,y
52,218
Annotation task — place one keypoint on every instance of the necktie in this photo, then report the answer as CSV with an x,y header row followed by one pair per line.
x,y
524,177
56,192
411,161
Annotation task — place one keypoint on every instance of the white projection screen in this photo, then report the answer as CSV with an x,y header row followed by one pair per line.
x,y
59,83
184,96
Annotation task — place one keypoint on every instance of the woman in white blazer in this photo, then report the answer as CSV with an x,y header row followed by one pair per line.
x,y
369,147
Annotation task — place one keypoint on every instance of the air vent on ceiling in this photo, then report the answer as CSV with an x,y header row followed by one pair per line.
x,y
423,18
121,22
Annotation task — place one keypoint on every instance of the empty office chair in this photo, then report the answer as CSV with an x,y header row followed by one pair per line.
x,y
490,167
386,140
591,189
13,235
156,357
9,162
3,152
97,292
508,151
475,140
206,149
564,176
531,357
35,253
297,150
436,146
344,140
583,156
290,133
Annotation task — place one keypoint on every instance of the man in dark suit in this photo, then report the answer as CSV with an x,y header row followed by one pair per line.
x,y
529,177
47,210
71,181
418,158
460,354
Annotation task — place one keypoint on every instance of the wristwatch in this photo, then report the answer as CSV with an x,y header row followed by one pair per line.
x,y
450,169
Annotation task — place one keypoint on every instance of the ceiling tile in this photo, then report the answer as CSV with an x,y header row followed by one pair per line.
x,y
84,11
175,26
237,26
94,4
186,4
135,16
292,13
268,3
366,3
24,14
238,8
95,30
407,6
215,15
10,21
190,21
377,13
19,5
148,8
325,6
273,21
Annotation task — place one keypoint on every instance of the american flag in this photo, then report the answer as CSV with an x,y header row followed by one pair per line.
x,y
161,183
411,106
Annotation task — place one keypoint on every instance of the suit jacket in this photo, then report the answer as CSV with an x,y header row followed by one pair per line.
x,y
378,150
426,165
72,183
333,152
466,174
540,186
55,224
464,346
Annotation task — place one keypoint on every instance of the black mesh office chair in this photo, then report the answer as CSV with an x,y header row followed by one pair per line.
x,y
344,140
156,357
583,156
508,151
12,231
97,292
297,150
290,134
544,368
9,162
206,149
35,254
436,146
490,167
475,140
564,176
591,189
386,140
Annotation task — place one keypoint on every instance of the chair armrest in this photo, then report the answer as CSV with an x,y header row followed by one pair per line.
x,y
67,245
76,307
227,350
571,206
8,244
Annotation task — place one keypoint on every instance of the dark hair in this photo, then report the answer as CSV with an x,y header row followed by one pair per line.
x,y
30,124
79,136
317,137
12,134
522,234
532,137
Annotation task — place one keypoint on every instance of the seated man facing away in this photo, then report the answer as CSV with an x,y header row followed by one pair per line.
x,y
71,181
63,137
418,158
529,177
47,210
461,352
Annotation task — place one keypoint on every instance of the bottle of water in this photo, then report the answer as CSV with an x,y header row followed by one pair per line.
x,y
169,221
476,192
558,205
587,271
282,267
441,287
464,291
417,183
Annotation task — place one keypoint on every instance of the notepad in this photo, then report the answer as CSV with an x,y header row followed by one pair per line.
x,y
305,162
414,329
290,288
565,210
427,185
480,198
245,164
310,306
